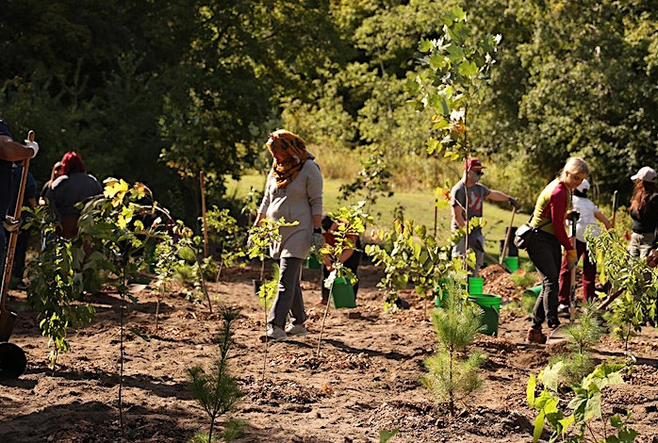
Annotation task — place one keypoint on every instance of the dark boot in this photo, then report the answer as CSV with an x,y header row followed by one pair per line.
x,y
536,336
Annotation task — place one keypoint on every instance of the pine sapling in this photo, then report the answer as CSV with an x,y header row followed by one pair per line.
x,y
217,391
452,372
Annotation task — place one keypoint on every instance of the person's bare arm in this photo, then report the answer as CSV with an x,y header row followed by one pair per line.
x,y
13,151
498,196
603,219
458,215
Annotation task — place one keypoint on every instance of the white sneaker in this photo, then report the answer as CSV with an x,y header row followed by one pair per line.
x,y
298,330
275,333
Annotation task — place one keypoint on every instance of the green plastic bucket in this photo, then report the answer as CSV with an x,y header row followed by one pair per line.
x,y
312,262
441,291
534,291
490,304
342,294
475,285
512,263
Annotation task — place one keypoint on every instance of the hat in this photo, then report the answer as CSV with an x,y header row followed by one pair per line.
x,y
645,174
473,163
583,186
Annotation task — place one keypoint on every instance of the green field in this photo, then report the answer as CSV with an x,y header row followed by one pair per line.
x,y
417,206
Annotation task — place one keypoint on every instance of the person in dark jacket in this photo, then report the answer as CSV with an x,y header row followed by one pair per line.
x,y
10,151
71,188
644,212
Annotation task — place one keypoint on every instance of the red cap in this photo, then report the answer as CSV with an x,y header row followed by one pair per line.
x,y
473,163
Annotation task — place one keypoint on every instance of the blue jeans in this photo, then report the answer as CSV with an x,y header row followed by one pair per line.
x,y
289,298
546,254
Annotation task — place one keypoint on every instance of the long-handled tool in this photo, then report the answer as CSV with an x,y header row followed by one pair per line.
x,y
614,209
12,357
572,295
508,234
558,333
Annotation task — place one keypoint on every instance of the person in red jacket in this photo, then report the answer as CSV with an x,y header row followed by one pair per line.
x,y
544,247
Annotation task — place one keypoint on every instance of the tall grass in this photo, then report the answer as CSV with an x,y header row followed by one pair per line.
x,y
414,180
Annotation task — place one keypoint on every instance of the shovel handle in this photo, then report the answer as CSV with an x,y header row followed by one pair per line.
x,y
614,208
13,237
507,236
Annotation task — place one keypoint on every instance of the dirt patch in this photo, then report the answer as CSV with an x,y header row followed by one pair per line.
x,y
364,380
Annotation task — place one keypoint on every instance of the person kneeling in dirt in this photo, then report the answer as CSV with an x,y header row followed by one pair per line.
x,y
350,258
477,192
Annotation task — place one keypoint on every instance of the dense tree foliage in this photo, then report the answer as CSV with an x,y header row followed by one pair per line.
x,y
157,91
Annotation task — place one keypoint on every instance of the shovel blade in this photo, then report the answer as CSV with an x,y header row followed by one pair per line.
x,y
7,321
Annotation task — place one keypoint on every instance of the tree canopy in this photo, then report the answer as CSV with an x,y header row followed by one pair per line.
x,y
157,91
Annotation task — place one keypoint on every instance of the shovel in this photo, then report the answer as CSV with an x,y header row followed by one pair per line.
x,y
506,244
12,358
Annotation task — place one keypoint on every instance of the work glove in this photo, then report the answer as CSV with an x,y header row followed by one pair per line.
x,y
317,240
572,258
11,224
34,146
513,203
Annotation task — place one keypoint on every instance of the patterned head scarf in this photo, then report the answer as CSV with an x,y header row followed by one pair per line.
x,y
292,153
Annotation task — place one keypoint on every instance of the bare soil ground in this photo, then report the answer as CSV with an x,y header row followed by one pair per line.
x,y
366,378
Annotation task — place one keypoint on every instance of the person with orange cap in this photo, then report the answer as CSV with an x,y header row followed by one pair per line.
x,y
477,192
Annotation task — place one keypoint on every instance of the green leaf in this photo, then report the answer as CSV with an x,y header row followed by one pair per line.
x,y
549,376
566,422
539,427
468,69
593,407
385,435
187,254
627,435
546,402
425,46
616,421
530,390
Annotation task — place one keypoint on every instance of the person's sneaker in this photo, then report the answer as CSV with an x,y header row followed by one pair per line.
x,y
563,309
536,336
275,333
297,330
